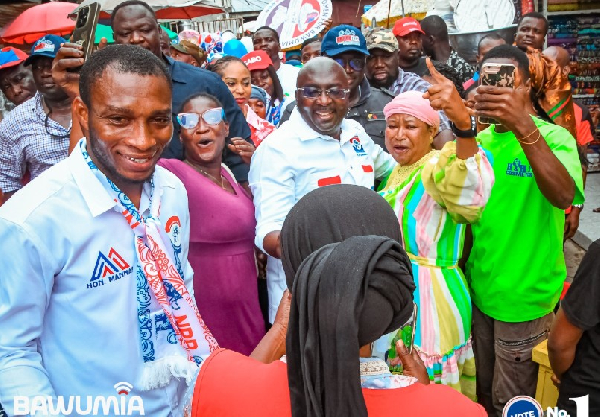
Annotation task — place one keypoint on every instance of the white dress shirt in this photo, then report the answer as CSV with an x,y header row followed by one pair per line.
x,y
288,75
295,160
68,326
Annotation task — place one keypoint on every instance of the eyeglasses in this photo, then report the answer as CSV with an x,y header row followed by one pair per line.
x,y
357,64
333,93
212,117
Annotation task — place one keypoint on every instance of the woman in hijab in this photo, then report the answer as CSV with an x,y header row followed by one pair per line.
x,y
434,194
351,283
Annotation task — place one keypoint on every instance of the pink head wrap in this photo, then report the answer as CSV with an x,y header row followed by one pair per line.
x,y
413,103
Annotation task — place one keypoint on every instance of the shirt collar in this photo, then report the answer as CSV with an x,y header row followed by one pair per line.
x,y
365,92
96,197
304,132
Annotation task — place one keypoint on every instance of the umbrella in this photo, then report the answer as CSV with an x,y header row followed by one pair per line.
x,y
165,9
386,12
38,21
103,31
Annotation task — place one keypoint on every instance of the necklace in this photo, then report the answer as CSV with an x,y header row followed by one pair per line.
x,y
206,174
402,172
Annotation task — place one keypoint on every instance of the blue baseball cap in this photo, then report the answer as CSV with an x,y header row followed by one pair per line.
x,y
235,48
343,38
47,45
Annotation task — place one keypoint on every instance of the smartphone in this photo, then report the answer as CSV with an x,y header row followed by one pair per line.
x,y
407,334
85,28
498,75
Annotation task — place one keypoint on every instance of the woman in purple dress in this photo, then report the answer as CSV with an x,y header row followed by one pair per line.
x,y
222,227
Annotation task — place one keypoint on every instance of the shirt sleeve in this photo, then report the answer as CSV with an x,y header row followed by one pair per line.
x,y
271,180
462,187
25,288
582,302
383,162
12,166
564,147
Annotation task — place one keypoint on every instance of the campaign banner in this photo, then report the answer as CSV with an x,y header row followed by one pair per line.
x,y
295,20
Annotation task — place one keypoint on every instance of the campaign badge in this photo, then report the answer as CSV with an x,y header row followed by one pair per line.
x,y
522,406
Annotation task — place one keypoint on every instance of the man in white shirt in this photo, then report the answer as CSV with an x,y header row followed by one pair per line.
x,y
95,279
314,148
267,39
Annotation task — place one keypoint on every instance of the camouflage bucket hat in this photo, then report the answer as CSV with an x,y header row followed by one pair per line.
x,y
382,39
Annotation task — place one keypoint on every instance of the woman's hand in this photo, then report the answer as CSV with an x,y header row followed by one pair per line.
x,y
443,96
412,364
242,148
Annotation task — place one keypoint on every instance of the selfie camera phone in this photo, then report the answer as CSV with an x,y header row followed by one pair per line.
x,y
407,334
85,28
497,75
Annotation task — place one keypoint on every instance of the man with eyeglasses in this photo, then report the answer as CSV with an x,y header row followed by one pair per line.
x,y
316,147
35,135
347,46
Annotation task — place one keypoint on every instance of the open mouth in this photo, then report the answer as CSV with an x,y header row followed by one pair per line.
x,y
204,143
325,115
140,162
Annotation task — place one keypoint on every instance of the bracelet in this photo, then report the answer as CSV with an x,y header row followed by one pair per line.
x,y
531,143
534,130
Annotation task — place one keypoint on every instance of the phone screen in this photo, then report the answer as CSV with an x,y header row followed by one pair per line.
x,y
407,334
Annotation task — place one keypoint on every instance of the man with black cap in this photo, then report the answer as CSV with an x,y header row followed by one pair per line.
x,y
35,135
347,46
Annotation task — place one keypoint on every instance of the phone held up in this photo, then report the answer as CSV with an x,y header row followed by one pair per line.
x,y
407,334
498,75
85,29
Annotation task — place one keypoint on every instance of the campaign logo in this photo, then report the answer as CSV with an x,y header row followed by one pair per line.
x,y
111,268
44,46
518,169
358,148
522,406
347,37
253,60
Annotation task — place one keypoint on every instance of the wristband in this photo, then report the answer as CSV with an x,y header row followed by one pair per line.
x,y
471,133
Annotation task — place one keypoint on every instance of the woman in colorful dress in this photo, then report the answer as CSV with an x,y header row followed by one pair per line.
x,y
236,75
434,194
222,225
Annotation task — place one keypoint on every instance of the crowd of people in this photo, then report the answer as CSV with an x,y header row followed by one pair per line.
x,y
232,234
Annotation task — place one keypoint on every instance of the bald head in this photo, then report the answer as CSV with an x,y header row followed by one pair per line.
x,y
559,55
319,67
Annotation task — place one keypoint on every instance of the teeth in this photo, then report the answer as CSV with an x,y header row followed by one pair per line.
x,y
139,161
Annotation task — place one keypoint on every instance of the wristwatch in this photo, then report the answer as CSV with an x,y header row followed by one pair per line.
x,y
471,133
579,206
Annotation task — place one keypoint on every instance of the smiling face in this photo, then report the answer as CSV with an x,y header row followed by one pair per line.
x,y
204,143
409,49
262,79
353,63
265,39
17,84
382,68
237,78
407,138
135,25
531,32
323,114
128,124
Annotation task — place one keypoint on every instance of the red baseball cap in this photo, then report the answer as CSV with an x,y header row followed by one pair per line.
x,y
257,60
11,57
406,25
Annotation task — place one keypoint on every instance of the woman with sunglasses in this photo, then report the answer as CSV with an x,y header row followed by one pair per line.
x,y
263,75
236,75
222,228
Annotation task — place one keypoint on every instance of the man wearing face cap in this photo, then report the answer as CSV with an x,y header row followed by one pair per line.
x,y
316,147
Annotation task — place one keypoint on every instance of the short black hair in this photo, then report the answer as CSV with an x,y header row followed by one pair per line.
x,y
220,64
125,59
207,96
275,34
309,41
536,15
490,36
130,3
510,52
435,26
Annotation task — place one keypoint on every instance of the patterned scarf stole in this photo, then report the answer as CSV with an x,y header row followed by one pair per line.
x,y
179,327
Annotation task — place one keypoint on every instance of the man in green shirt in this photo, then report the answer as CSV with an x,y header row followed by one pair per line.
x,y
516,268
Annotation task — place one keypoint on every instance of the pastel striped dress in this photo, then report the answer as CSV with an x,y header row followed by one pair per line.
x,y
433,204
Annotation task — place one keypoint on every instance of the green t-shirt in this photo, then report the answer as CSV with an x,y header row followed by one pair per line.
x,y
516,268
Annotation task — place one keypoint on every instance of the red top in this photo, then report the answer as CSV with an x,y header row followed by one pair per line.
x,y
231,384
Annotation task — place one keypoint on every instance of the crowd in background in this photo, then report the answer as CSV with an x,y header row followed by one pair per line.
x,y
238,231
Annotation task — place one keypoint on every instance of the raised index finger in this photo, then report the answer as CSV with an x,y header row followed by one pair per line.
x,y
437,77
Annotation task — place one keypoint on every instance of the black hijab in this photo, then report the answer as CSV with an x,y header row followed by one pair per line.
x,y
349,288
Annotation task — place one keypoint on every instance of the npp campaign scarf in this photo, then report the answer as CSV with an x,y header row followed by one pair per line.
x,y
160,281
